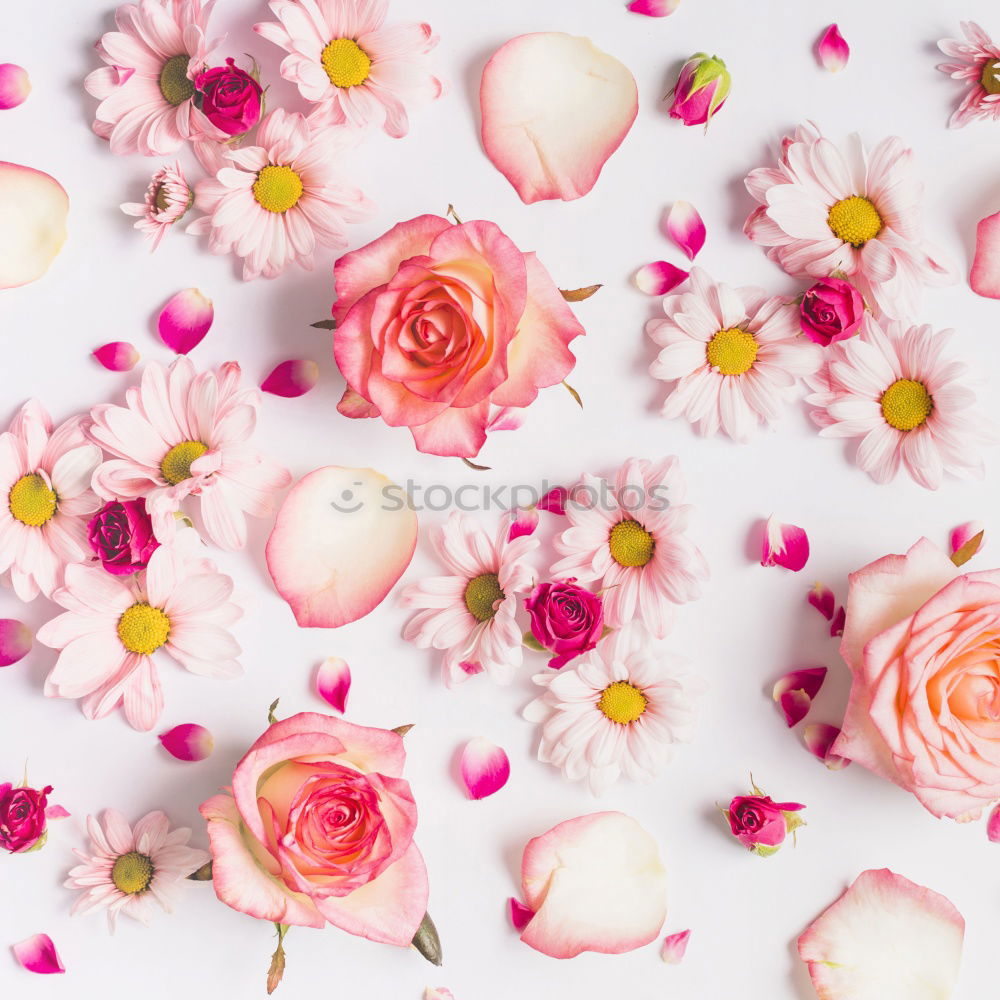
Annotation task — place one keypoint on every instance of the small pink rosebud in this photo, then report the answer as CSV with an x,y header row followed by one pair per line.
x,y
701,89
23,817
760,824
188,741
831,310
14,86
831,50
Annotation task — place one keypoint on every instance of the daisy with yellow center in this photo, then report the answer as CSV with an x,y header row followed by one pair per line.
x,y
615,712
976,62
910,406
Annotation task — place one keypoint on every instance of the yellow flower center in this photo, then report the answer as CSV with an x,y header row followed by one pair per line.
x,y
732,351
143,629
160,198
277,189
622,702
854,220
346,63
32,501
481,596
132,873
906,404
990,78
630,543
174,83
176,464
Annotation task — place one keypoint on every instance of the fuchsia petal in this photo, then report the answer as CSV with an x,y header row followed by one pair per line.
x,y
122,74
818,738
118,356
784,545
14,86
523,522
809,680
520,915
963,535
659,278
56,812
15,641
185,320
333,682
554,501
685,227
985,275
831,50
38,954
823,600
508,418
654,8
993,826
188,741
795,705
837,625
674,947
485,768
292,378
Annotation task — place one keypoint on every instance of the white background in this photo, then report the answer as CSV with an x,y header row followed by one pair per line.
x,y
751,626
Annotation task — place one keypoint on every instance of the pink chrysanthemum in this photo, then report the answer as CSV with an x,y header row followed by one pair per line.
x,y
978,66
146,88
630,537
184,434
823,209
168,198
891,387
128,869
274,202
45,477
343,57
112,626
616,711
471,612
736,356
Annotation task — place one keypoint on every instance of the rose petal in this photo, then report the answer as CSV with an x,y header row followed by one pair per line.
x,y
520,915
56,812
965,541
507,418
438,993
819,737
554,502
342,539
831,50
118,356
993,825
485,768
885,937
685,227
838,622
795,706
823,600
333,682
15,86
984,278
555,107
654,8
188,741
38,954
659,278
15,641
807,683
292,378
33,209
674,947
784,545
185,319
523,522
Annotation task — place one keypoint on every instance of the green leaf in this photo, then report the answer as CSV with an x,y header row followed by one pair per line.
x,y
271,717
427,942
574,394
277,968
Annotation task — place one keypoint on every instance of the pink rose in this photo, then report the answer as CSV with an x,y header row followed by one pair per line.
x,y
319,829
22,817
921,640
761,824
121,536
831,310
566,619
437,323
701,89
230,98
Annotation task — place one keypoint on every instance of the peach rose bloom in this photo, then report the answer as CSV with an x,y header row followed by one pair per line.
x,y
922,639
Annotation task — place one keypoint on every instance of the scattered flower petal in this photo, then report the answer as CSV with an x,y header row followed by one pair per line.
x,y
993,825
966,540
554,502
822,598
784,545
56,812
795,705
524,521
831,50
185,320
118,356
33,209
333,682
685,227
795,691
292,378
188,741
654,8
819,737
38,954
438,993
674,947
15,86
15,641
485,768
837,625
520,915
659,278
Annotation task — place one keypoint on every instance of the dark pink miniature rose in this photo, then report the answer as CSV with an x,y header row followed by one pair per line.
x,y
566,619
22,817
121,535
761,824
230,98
831,310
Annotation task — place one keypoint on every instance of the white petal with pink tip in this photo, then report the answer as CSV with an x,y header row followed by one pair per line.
x,y
659,278
188,741
832,51
784,545
333,682
675,947
485,768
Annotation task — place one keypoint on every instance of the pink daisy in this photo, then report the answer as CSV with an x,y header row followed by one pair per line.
x,y
823,209
168,198
471,612
343,57
147,87
734,354
128,869
891,387
979,66
616,711
45,475
113,625
631,538
274,202
185,434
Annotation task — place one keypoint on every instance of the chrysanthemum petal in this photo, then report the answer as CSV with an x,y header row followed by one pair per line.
x,y
292,378
654,8
33,209
659,278
118,356
819,737
15,641
485,768
685,227
185,319
38,954
674,947
520,915
333,682
188,741
784,545
15,85
831,50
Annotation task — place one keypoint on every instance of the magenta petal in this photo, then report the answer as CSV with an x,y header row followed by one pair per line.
x,y
654,8
831,50
993,825
38,954
15,641
795,706
823,600
685,227
784,545
984,278
839,620
14,86
554,501
809,680
520,915
485,768
674,947
523,522
118,356
56,812
185,320
818,738
333,682
659,278
188,741
292,378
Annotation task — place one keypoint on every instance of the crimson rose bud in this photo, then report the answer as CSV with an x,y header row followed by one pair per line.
x,y
121,535
230,98
22,817
566,619
831,310
761,824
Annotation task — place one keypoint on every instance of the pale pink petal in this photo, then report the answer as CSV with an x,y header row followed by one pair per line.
x,y
520,915
438,993
485,768
15,641
966,539
333,682
188,741
523,522
823,600
38,954
659,278
554,108
819,737
292,379
784,545
33,209
831,50
185,319
56,812
554,501
508,418
685,227
984,278
118,356
654,8
14,86
674,947
993,826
